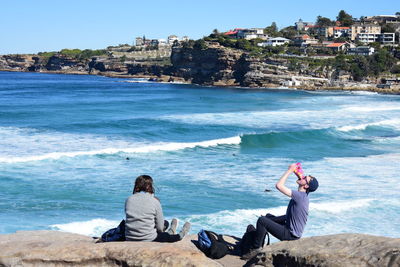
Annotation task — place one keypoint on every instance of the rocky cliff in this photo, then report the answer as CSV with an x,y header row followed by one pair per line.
x,y
215,65
60,63
211,66
52,248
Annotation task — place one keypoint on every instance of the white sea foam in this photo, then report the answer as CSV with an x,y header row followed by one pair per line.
x,y
391,123
296,117
230,221
139,149
93,227
340,206
386,107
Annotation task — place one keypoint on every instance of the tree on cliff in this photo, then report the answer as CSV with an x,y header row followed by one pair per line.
x,y
244,44
215,33
344,18
324,22
288,32
200,44
271,30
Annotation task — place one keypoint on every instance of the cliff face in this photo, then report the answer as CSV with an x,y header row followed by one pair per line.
x,y
17,62
215,65
52,248
218,65
207,67
64,64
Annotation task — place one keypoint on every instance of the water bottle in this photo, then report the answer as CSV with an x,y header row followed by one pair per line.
x,y
299,171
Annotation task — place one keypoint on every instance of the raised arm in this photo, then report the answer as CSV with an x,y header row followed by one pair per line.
x,y
280,185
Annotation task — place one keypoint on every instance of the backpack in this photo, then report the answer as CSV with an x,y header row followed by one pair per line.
x,y
248,238
115,234
212,244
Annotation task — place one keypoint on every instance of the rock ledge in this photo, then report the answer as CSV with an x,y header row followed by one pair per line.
x,y
53,248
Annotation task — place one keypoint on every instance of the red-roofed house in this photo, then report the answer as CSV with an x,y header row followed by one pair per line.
x,y
233,33
340,32
304,40
247,34
338,46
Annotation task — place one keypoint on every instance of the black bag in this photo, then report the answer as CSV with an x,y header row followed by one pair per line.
x,y
115,234
248,239
218,248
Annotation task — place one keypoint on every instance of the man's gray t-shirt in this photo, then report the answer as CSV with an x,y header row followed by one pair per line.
x,y
297,213
144,217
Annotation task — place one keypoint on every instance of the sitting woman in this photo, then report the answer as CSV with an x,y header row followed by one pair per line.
x,y
144,215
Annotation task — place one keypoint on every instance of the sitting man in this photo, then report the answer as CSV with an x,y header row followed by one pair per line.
x,y
291,225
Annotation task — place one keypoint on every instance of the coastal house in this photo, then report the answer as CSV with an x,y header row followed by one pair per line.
x,y
171,39
337,47
277,41
379,19
310,27
383,38
357,29
252,33
232,33
338,32
304,40
301,25
387,38
162,42
361,51
139,41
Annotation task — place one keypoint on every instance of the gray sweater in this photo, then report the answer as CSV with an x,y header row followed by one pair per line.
x,y
144,217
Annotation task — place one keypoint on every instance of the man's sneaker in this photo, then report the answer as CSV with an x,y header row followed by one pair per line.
x,y
172,228
185,230
251,254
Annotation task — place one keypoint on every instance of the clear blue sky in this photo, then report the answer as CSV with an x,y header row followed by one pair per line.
x,y
31,26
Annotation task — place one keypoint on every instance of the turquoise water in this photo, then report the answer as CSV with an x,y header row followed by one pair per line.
x,y
65,140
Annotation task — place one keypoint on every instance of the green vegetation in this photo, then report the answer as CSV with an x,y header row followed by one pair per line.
x,y
200,44
272,30
82,54
324,22
47,54
358,66
345,19
122,59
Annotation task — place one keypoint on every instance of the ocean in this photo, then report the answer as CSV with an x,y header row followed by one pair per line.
x,y
71,147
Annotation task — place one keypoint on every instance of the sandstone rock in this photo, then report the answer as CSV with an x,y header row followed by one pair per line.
x,y
16,62
334,250
206,67
52,248
60,62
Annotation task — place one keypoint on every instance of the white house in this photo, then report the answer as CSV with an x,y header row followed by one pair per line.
x,y
162,42
277,41
387,38
383,38
252,33
172,39
361,51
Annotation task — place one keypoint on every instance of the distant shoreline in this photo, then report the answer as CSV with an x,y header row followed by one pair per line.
x,y
166,79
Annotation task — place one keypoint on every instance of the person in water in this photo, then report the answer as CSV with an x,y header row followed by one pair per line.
x,y
291,225
144,216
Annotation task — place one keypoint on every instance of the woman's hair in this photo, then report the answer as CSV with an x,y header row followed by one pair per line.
x,y
144,183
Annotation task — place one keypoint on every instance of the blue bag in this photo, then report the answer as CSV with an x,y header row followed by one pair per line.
x,y
204,240
115,234
212,244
